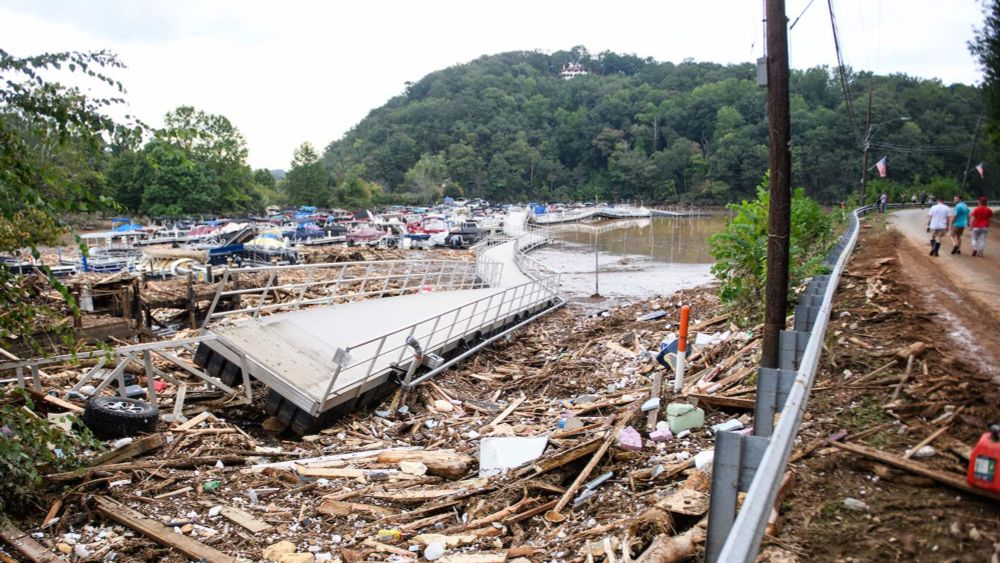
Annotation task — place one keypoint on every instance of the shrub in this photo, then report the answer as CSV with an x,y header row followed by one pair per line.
x,y
28,444
740,250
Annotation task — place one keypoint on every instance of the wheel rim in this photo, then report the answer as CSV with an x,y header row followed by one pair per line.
x,y
123,406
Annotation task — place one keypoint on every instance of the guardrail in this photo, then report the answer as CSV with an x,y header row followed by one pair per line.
x,y
755,464
338,282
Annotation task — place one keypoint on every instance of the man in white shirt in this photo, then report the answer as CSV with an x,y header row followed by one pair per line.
x,y
938,218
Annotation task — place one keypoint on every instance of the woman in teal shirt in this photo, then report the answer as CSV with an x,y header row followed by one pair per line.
x,y
959,221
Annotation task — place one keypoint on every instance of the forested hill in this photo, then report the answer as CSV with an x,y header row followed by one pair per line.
x,y
508,128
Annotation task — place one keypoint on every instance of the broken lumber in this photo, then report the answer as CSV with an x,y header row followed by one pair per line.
x,y
88,472
719,401
916,468
442,463
341,508
500,417
245,519
562,458
159,533
27,545
128,451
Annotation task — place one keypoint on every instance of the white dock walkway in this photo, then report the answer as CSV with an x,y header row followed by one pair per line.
x,y
293,352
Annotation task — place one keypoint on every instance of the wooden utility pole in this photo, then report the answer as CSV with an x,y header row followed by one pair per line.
x,y
865,147
779,212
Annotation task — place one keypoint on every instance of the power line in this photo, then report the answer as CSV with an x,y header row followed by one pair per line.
x,y
842,72
804,10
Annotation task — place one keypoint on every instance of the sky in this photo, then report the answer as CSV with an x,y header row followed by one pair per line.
x,y
290,71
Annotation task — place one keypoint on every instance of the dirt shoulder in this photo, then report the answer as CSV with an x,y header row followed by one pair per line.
x,y
894,295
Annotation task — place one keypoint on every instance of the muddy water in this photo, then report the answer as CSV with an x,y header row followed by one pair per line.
x,y
637,259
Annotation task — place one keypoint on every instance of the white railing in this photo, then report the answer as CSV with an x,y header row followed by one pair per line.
x,y
328,283
377,355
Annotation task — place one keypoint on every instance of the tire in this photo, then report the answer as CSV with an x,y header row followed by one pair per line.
x,y
114,417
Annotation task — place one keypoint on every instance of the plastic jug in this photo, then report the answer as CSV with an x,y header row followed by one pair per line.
x,y
984,462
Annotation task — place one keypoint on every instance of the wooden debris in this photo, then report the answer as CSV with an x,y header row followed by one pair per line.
x,y
685,501
340,508
27,545
245,519
136,448
447,464
916,468
159,533
671,549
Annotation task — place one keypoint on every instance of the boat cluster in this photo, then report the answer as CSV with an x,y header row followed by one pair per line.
x,y
173,246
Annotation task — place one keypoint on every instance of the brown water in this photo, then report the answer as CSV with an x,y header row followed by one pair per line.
x,y
672,240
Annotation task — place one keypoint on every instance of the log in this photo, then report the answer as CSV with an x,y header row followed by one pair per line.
x,y
670,549
159,533
177,254
916,468
442,463
88,472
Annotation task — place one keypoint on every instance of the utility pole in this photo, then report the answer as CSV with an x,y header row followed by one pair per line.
x,y
865,147
972,149
779,212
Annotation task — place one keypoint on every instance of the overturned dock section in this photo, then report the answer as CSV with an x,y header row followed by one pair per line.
x,y
322,362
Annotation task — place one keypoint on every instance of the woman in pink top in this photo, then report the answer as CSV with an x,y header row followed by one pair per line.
x,y
980,224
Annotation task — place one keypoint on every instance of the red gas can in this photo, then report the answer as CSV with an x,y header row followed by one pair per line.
x,y
984,462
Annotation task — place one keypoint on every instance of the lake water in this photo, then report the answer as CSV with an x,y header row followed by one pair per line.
x,y
637,259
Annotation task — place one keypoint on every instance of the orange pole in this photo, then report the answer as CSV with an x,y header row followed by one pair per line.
x,y
682,339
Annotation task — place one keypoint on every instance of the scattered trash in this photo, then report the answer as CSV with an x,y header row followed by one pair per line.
x,y
497,455
730,425
629,439
684,416
652,316
651,404
434,551
855,504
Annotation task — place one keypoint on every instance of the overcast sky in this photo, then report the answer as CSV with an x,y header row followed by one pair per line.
x,y
290,71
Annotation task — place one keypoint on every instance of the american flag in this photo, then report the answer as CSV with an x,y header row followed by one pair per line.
x,y
882,169
981,169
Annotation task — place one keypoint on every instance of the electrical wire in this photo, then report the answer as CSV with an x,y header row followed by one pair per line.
x,y
804,10
842,73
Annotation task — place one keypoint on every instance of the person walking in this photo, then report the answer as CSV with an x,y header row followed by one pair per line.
x,y
981,216
937,224
883,203
959,221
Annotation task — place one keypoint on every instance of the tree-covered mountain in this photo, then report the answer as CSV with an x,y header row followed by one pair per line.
x,y
507,127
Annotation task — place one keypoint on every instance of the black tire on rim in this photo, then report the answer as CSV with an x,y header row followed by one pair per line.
x,y
114,417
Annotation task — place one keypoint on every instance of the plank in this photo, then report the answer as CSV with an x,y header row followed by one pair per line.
x,y
136,448
151,464
245,519
506,412
55,401
685,501
330,472
720,401
340,508
549,463
159,533
193,422
916,468
27,546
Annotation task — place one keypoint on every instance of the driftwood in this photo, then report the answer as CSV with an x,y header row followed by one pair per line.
x,y
152,464
450,465
669,549
27,545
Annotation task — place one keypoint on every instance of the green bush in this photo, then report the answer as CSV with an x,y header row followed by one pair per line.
x,y
740,250
29,445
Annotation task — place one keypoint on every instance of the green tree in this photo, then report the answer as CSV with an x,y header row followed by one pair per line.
x,y
986,47
426,179
306,182
41,122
